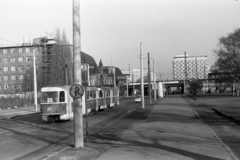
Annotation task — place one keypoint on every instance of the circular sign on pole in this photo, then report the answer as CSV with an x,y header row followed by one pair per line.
x,y
76,91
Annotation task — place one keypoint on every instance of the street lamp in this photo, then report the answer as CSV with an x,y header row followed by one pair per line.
x,y
35,81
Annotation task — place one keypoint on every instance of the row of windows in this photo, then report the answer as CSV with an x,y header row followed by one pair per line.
x,y
14,68
11,86
15,50
13,59
12,77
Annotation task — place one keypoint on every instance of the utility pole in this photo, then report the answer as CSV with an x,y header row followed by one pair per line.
x,y
142,87
185,71
127,84
149,81
66,70
133,83
78,117
154,82
129,73
35,82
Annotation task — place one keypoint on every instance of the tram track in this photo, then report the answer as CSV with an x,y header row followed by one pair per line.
x,y
97,123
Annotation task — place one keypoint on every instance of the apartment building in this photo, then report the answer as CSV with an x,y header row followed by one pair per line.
x,y
190,67
15,63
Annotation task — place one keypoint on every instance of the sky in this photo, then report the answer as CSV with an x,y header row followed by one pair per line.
x,y
112,30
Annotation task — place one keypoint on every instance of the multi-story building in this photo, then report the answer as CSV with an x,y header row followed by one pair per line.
x,y
190,67
15,62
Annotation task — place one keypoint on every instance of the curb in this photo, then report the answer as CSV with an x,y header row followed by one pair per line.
x,y
224,115
192,97
228,149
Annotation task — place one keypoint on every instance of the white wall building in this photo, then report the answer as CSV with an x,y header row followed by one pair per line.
x,y
135,75
196,67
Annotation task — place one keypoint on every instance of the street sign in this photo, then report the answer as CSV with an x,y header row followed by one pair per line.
x,y
76,91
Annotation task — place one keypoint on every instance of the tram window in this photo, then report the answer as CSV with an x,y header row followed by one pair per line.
x,y
62,96
100,93
108,93
87,94
92,94
49,97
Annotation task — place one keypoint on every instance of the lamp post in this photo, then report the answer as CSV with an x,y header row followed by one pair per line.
x,y
142,87
35,82
154,82
149,81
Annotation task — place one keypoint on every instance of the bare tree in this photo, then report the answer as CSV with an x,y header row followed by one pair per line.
x,y
61,57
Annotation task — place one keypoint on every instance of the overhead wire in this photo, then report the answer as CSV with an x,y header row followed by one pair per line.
x,y
8,41
12,3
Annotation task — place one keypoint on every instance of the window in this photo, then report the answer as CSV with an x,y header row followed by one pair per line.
x,y
5,78
5,60
6,86
13,59
0,78
20,77
20,50
0,69
0,86
13,77
28,58
100,93
13,68
4,51
29,67
27,49
5,69
49,97
20,59
62,96
92,94
12,50
13,86
20,86
20,68
0,59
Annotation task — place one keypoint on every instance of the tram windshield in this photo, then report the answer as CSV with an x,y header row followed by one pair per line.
x,y
49,97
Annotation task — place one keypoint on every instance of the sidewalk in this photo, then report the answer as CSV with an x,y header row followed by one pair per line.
x,y
11,113
171,130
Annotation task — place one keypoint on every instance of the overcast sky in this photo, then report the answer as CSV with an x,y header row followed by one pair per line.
x,y
112,30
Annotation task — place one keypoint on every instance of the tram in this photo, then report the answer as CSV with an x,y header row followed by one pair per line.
x,y
57,104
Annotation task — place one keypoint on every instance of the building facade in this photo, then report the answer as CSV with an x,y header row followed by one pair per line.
x,y
15,63
190,67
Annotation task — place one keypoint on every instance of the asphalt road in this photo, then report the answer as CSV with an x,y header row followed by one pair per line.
x,y
28,137
228,131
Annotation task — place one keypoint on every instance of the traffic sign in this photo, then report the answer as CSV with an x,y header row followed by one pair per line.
x,y
76,91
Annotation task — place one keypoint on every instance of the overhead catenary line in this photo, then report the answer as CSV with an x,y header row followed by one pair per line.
x,y
11,3
9,41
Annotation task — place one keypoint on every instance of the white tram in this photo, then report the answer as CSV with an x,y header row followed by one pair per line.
x,y
57,104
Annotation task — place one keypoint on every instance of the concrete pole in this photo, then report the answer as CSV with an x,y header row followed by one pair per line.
x,y
185,72
142,87
78,117
154,82
133,84
66,70
127,84
35,82
129,74
149,81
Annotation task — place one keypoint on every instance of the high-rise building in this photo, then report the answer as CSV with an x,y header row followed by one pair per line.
x,y
190,67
